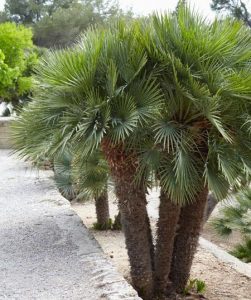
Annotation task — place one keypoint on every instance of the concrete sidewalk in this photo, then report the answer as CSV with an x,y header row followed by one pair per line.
x,y
45,250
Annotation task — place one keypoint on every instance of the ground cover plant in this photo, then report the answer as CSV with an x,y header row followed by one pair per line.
x,y
235,217
166,100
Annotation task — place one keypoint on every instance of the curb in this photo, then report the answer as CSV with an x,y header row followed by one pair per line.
x,y
225,257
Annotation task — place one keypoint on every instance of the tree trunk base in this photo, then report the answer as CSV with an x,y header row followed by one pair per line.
x,y
186,241
117,222
102,211
134,218
166,231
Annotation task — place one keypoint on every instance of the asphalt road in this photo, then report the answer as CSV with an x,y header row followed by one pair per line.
x,y
45,250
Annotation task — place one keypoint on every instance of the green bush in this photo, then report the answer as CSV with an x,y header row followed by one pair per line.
x,y
243,251
17,59
236,217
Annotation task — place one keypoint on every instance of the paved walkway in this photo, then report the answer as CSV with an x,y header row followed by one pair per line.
x,y
45,250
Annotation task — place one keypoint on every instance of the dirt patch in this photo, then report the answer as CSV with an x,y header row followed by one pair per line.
x,y
223,282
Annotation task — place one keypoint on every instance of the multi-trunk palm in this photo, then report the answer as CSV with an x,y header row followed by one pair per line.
x,y
204,125
167,98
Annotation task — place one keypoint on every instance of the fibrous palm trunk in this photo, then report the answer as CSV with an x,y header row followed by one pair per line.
x,y
102,211
117,222
132,205
186,240
166,231
210,206
134,218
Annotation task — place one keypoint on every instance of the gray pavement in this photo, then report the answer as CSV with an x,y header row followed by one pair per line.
x,y
45,250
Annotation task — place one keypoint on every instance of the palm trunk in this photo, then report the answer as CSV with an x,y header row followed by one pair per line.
x,y
132,205
166,231
150,239
186,241
102,211
134,218
117,222
211,203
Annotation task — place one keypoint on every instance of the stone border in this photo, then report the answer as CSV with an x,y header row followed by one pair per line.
x,y
225,257
5,138
105,276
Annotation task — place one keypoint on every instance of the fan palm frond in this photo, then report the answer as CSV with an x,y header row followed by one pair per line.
x,y
236,216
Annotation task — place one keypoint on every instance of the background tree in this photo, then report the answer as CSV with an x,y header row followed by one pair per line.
x,y
7,76
25,11
3,17
54,5
18,55
53,22
32,11
60,29
235,8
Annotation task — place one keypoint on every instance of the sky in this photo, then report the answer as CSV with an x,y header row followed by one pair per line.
x,y
147,6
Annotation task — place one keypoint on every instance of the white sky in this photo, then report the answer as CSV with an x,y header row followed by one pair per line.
x,y
1,4
148,6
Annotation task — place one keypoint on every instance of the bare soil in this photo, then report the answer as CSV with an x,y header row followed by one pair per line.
x,y
222,282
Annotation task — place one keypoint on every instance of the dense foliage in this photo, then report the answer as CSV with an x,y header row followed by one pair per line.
x,y
17,57
58,23
32,11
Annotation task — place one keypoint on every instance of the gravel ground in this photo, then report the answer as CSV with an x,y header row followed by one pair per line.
x,y
45,250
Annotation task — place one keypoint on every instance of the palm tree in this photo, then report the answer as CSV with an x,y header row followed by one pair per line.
x,y
94,97
204,127
167,99
128,101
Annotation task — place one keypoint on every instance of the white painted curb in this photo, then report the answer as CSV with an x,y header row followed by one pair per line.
x,y
225,257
